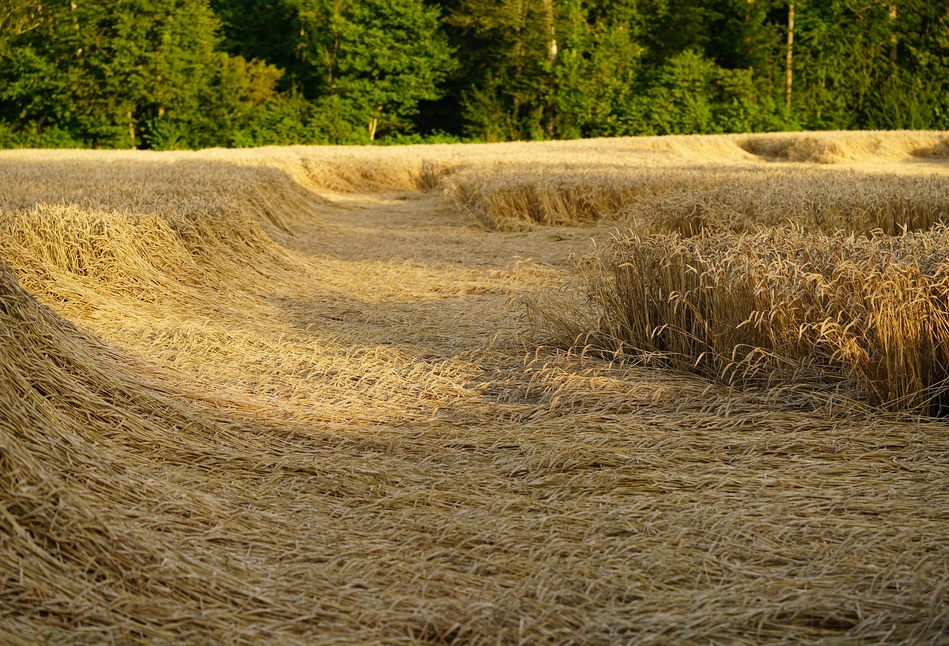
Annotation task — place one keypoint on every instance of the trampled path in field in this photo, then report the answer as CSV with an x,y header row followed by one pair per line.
x,y
445,280
351,437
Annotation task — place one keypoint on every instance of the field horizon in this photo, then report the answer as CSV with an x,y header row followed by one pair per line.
x,y
663,390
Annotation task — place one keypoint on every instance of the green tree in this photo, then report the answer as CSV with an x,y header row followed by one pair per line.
x,y
596,73
379,57
189,73
128,73
868,64
509,62
266,30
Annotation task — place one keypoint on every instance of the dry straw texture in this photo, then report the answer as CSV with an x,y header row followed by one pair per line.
x,y
867,314
693,199
277,397
868,190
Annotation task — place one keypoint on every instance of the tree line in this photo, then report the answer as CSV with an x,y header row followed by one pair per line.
x,y
166,74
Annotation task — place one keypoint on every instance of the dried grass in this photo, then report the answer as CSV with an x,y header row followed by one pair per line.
x,y
688,201
712,186
853,202
843,147
284,414
867,314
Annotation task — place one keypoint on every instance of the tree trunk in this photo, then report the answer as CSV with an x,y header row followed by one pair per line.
x,y
522,7
893,53
160,95
131,127
373,124
789,73
551,33
748,43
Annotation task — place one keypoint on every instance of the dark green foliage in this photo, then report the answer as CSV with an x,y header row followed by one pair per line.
x,y
131,73
595,78
690,94
167,74
859,66
381,57
31,136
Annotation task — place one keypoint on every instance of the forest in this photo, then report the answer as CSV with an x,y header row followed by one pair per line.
x,y
186,74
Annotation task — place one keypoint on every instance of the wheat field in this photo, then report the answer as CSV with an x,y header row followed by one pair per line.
x,y
682,390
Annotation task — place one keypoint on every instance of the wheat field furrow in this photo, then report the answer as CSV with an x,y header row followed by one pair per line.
x,y
683,390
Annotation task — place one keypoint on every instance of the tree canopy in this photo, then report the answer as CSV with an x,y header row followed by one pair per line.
x,y
196,73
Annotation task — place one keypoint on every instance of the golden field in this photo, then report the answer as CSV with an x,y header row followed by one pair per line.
x,y
682,390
